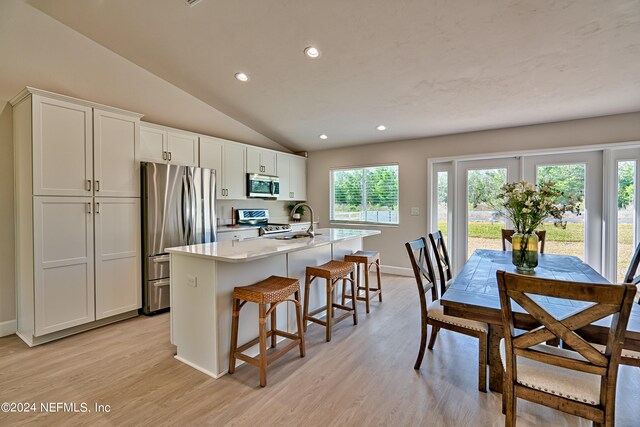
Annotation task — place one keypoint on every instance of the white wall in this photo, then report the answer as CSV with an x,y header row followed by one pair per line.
x,y
412,158
38,51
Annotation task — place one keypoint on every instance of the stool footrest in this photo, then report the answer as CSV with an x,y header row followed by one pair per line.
x,y
334,320
295,342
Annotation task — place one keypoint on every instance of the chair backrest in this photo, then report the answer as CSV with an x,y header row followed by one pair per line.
x,y
422,269
606,300
442,259
507,234
633,275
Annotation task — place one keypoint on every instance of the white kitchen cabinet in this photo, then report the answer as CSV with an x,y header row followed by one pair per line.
x,y
79,150
63,261
62,147
115,139
161,144
228,160
58,264
117,255
261,161
238,235
292,171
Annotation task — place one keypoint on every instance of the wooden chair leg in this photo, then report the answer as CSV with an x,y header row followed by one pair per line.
x,y
262,316
234,335
482,363
423,342
434,334
299,320
307,286
379,281
274,324
329,292
511,404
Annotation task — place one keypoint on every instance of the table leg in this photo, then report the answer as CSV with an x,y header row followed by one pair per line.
x,y
495,365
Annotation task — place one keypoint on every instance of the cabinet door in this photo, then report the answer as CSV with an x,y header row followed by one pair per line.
x,y
233,170
182,148
253,160
117,255
63,262
62,148
115,170
211,158
268,162
153,144
298,177
284,168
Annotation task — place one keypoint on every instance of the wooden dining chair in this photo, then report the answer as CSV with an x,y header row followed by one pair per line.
x,y
442,260
432,313
507,234
581,381
633,275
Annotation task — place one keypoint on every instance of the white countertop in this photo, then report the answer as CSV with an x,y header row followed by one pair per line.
x,y
263,247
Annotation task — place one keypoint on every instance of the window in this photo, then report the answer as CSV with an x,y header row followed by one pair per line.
x,y
366,195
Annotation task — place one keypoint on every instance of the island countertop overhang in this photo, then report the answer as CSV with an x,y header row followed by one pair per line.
x,y
264,247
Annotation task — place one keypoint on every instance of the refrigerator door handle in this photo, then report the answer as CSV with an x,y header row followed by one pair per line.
x,y
184,198
194,210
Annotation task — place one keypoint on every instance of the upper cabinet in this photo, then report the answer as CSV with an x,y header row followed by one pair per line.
x,y
82,151
292,171
160,144
228,160
261,161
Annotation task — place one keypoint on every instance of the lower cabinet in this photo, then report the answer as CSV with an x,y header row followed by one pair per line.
x,y
63,263
117,256
237,235
86,264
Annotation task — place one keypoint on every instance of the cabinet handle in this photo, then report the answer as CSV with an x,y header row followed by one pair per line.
x,y
169,154
88,185
97,207
88,208
98,185
164,155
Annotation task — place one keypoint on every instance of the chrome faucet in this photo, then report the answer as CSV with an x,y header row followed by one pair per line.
x,y
310,231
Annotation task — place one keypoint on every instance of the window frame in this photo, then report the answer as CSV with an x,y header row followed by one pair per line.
x,y
362,223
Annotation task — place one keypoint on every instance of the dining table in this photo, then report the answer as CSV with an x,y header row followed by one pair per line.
x,y
473,294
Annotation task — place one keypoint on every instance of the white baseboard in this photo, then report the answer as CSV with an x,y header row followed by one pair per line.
x,y
8,328
399,271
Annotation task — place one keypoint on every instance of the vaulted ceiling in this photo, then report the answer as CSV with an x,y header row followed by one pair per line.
x,y
419,67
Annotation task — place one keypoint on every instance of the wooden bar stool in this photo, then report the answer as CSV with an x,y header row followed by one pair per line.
x,y
367,259
332,271
272,291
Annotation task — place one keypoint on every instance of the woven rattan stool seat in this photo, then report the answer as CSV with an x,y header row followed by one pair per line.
x,y
331,269
270,290
363,257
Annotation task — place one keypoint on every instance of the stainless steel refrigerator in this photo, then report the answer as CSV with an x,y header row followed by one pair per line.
x,y
178,209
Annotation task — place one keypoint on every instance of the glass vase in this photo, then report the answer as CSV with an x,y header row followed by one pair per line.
x,y
525,252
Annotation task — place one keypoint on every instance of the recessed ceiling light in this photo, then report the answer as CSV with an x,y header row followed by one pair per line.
x,y
312,52
381,127
242,77
323,136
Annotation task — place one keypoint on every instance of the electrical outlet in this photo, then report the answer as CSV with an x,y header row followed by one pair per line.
x,y
192,281
415,211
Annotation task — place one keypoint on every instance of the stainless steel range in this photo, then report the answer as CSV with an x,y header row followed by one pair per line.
x,y
260,217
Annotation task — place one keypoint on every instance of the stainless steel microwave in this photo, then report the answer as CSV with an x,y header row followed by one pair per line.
x,y
263,186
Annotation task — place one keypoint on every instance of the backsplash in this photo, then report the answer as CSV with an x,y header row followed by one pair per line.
x,y
278,211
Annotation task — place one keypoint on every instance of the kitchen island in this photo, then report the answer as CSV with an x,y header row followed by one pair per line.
x,y
203,277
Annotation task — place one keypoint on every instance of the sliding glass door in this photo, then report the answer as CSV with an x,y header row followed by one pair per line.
x,y
477,219
578,174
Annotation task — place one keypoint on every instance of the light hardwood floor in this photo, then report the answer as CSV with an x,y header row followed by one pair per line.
x,y
363,377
